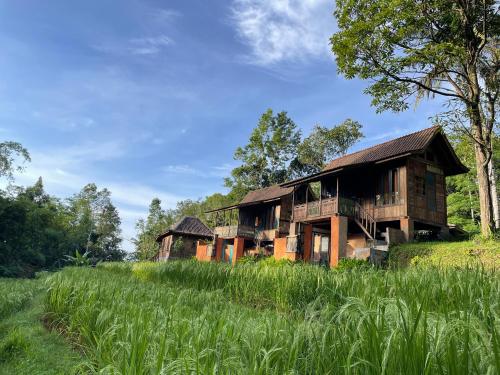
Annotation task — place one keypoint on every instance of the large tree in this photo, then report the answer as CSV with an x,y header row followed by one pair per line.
x,y
12,157
324,144
415,48
267,156
94,220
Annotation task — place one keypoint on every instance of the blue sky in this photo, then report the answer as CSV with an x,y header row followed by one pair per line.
x,y
150,98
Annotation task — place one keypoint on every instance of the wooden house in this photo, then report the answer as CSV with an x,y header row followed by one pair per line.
x,y
256,222
186,232
359,203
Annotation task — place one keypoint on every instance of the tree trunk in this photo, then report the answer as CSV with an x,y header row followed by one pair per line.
x,y
485,202
494,194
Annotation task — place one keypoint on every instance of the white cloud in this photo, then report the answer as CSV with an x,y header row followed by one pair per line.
x,y
144,45
149,45
219,171
181,169
279,30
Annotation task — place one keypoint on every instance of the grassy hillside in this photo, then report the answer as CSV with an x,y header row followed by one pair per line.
x,y
187,317
447,254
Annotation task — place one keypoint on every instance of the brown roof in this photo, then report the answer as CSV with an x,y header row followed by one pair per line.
x,y
265,194
410,143
188,225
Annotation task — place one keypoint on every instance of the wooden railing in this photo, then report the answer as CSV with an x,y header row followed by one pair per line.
x,y
342,206
365,220
309,210
230,231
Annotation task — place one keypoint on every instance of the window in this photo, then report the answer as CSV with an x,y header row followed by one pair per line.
x,y
388,188
430,188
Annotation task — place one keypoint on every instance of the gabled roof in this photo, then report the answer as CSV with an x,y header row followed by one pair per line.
x,y
411,144
265,194
188,225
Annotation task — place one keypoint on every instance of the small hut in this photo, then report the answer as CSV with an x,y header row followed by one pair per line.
x,y
180,240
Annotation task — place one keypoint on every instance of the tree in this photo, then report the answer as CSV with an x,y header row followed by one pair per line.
x,y
267,156
9,153
95,224
33,234
324,144
411,49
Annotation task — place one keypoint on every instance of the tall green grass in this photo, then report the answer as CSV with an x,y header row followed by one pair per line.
x,y
370,322
15,294
297,287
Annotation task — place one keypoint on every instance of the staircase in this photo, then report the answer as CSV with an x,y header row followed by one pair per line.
x,y
365,221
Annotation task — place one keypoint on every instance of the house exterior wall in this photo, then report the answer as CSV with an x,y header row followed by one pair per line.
x,y
205,252
280,250
418,203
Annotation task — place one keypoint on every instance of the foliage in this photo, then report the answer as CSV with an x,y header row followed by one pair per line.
x,y
267,156
324,144
462,190
38,231
96,224
9,153
371,322
446,254
347,264
79,260
33,234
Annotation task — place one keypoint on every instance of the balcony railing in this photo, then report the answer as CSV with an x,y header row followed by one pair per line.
x,y
230,231
326,207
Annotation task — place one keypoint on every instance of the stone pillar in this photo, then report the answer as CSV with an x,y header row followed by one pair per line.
x,y
218,249
406,225
239,244
307,241
338,239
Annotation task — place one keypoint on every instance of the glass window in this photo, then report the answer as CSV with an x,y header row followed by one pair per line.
x,y
430,188
388,188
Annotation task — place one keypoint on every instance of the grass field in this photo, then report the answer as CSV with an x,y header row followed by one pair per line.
x,y
186,317
447,254
26,346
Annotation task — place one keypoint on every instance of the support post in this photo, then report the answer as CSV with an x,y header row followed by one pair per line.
x,y
307,242
239,243
406,225
338,239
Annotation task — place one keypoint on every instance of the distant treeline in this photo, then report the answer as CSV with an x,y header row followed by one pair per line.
x,y
39,231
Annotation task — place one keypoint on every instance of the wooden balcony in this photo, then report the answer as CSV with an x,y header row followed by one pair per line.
x,y
314,210
231,231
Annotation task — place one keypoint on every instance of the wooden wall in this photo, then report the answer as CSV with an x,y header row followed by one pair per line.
x,y
417,203
187,251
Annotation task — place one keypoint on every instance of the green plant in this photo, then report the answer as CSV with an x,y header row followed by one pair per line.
x,y
79,260
350,263
258,319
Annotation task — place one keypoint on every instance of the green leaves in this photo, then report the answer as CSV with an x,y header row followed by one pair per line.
x,y
267,156
324,144
10,152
